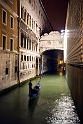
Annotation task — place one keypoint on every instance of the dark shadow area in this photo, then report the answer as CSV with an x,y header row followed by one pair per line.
x,y
56,72
54,62
32,104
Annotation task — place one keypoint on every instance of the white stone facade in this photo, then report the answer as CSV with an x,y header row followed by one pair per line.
x,y
32,20
50,41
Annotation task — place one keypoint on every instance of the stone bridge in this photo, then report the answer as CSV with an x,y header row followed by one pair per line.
x,y
51,41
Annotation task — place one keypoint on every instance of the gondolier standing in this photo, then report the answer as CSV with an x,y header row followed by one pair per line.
x,y
30,87
33,92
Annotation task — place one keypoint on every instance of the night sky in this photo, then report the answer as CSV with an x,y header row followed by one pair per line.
x,y
56,11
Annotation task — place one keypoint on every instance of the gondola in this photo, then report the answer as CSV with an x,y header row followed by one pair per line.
x,y
35,91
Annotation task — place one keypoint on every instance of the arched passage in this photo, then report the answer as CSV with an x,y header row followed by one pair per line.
x,y
51,60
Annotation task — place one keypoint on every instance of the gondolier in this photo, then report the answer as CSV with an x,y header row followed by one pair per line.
x,y
30,87
33,92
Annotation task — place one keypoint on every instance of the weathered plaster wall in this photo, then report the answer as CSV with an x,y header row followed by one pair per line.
x,y
8,70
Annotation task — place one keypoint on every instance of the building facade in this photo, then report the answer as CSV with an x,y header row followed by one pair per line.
x,y
22,22
74,35
8,44
33,22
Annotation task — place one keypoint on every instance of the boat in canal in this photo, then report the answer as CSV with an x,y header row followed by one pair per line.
x,y
35,91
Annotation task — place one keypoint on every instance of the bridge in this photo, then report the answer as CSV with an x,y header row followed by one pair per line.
x,y
51,41
51,50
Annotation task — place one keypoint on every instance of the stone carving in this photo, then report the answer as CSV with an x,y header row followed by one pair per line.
x,y
50,41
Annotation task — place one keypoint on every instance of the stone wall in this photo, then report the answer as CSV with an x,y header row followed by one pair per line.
x,y
8,69
27,74
74,77
44,61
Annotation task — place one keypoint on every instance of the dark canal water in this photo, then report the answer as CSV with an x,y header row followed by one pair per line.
x,y
54,104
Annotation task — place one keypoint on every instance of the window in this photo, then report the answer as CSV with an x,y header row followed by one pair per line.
x,y
21,57
25,15
24,42
21,12
27,19
27,58
4,42
4,17
32,23
11,22
60,42
27,43
30,45
36,27
21,40
24,57
30,58
36,47
11,44
15,69
32,65
6,71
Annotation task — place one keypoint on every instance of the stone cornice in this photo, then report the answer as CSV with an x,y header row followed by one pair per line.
x,y
9,33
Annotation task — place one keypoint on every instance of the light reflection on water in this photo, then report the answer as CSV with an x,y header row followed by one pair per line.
x,y
54,105
64,112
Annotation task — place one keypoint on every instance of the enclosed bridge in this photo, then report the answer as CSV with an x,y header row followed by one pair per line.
x,y
51,50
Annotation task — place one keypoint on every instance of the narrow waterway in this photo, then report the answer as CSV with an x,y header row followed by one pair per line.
x,y
54,104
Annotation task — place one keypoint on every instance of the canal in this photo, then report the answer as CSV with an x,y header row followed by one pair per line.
x,y
54,105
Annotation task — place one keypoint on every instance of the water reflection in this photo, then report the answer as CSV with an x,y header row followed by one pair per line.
x,y
64,112
53,102
32,105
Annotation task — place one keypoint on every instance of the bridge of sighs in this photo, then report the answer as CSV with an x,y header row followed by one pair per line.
x,y
49,45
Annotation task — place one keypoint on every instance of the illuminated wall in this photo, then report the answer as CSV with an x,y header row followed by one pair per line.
x,y
74,67
8,44
74,26
32,23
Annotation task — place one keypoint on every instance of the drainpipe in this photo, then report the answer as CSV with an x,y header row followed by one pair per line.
x,y
42,63
38,65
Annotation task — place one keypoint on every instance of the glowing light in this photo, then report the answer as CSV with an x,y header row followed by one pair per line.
x,y
64,34
65,45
